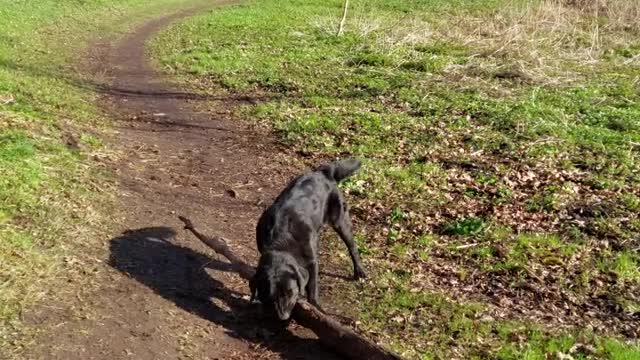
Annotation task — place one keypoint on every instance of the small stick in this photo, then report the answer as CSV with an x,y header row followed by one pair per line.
x,y
344,17
466,246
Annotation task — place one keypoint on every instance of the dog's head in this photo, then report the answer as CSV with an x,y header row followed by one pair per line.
x,y
278,283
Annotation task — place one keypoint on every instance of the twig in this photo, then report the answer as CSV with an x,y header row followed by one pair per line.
x,y
632,59
344,17
460,247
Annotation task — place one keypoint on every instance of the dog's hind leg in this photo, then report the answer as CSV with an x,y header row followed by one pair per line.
x,y
341,223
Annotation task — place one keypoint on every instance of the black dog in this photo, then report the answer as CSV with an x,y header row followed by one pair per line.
x,y
288,232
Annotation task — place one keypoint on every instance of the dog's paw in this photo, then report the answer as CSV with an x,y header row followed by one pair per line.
x,y
359,274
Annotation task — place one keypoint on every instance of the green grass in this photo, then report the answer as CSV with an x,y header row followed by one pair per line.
x,y
500,141
51,195
444,324
465,227
627,266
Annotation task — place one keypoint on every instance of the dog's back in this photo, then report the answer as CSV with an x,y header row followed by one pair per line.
x,y
301,208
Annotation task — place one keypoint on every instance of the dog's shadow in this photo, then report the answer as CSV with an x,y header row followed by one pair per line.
x,y
178,274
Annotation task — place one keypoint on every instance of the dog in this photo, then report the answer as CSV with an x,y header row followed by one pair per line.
x,y
287,237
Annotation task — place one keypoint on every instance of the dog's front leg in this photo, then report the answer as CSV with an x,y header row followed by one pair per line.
x,y
312,285
253,288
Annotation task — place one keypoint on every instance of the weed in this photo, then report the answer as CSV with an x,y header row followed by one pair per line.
x,y
465,227
627,266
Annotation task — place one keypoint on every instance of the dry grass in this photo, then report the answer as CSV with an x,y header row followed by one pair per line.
x,y
548,35
545,41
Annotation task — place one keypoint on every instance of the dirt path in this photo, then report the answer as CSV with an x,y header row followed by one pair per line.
x,y
158,293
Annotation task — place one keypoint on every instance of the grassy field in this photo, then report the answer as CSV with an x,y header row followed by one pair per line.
x,y
498,206
52,189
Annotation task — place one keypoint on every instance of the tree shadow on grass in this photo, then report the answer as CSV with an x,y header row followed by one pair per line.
x,y
126,92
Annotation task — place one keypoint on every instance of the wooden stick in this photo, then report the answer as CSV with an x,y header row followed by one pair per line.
x,y
220,246
330,332
344,17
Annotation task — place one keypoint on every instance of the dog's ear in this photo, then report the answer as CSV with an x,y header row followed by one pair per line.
x,y
302,278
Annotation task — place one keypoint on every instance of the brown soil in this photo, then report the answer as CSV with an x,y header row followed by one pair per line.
x,y
155,292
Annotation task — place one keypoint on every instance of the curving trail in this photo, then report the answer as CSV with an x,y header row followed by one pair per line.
x,y
156,293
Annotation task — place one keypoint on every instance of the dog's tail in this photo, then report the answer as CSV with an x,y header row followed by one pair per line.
x,y
340,170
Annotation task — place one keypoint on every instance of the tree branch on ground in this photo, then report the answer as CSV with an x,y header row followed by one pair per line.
x,y
330,332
